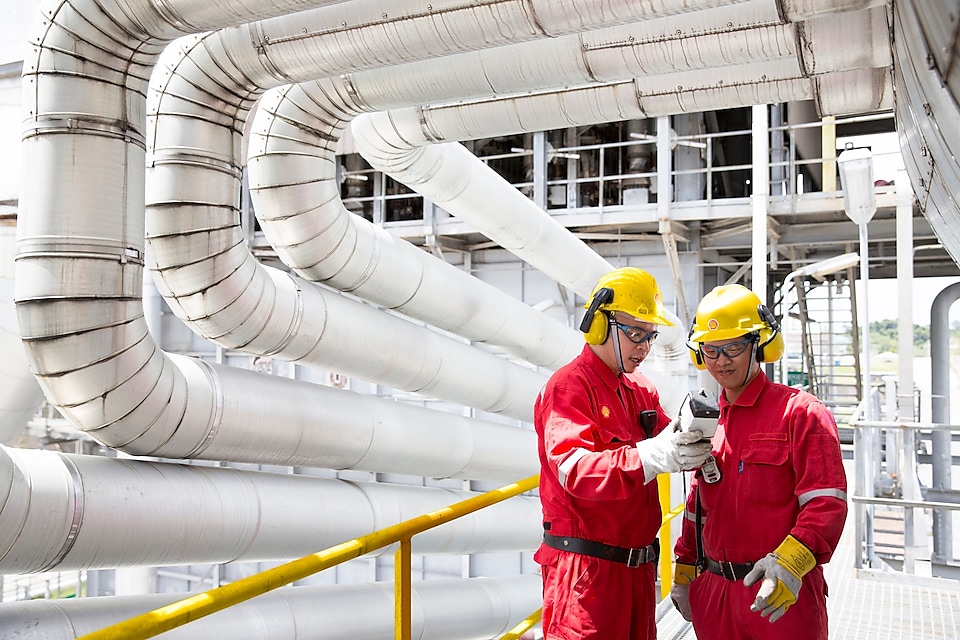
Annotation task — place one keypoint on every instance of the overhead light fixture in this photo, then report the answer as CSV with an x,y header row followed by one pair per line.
x,y
551,153
823,268
860,203
819,270
856,179
674,140
353,176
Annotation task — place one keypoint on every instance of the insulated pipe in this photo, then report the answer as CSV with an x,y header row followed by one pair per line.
x,y
292,143
942,455
198,250
307,117
444,609
364,34
347,281
721,48
293,146
288,58
133,396
202,266
926,113
178,407
20,395
61,511
219,289
83,268
294,186
398,143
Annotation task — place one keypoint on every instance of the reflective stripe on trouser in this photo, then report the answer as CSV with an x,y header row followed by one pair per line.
x,y
721,611
588,598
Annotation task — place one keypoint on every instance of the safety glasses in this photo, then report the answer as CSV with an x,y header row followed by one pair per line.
x,y
636,335
730,350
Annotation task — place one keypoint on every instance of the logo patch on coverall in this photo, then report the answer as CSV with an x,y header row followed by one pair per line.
x,y
605,410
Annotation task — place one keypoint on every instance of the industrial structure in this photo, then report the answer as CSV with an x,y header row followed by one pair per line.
x,y
277,275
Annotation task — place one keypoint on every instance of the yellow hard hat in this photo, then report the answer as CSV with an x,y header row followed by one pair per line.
x,y
731,311
628,289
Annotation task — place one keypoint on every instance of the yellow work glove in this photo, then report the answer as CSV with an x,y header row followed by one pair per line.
x,y
782,572
683,575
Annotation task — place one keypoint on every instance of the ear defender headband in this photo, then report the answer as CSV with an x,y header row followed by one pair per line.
x,y
775,342
594,325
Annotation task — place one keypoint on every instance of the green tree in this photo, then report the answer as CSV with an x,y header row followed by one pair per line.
x,y
884,337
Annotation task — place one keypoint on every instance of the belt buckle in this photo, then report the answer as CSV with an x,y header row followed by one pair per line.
x,y
637,557
724,567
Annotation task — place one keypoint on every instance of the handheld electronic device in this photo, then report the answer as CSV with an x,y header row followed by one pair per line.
x,y
701,412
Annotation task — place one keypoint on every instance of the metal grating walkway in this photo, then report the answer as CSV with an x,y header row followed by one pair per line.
x,y
889,606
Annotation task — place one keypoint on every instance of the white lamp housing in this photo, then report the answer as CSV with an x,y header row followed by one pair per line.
x,y
856,179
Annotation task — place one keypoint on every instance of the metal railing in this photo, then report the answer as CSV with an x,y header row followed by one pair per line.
x,y
179,613
887,463
600,186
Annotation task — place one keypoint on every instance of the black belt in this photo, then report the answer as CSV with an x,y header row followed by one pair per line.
x,y
630,557
728,570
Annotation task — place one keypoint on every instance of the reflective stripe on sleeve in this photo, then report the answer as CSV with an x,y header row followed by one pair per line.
x,y
569,463
692,517
804,498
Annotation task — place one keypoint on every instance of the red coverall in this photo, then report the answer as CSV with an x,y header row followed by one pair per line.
x,y
592,487
781,473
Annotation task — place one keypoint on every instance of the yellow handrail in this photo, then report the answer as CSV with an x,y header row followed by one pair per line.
x,y
524,626
203,604
666,555
184,611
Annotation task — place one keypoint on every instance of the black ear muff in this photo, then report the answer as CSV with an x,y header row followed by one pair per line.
x,y
594,325
696,356
602,296
770,320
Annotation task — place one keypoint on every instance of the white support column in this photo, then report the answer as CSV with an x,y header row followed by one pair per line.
x,y
916,522
760,180
668,228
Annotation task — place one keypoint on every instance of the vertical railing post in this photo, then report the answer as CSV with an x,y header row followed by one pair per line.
x,y
401,591
666,556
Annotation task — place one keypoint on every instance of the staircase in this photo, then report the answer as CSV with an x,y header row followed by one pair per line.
x,y
823,347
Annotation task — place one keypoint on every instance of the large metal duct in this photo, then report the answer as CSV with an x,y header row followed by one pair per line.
x,y
20,395
282,171
302,229
85,327
440,610
60,512
927,109
295,185
941,441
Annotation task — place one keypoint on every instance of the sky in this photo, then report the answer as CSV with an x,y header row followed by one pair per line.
x,y
883,299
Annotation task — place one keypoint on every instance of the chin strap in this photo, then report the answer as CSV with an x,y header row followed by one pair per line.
x,y
615,333
753,358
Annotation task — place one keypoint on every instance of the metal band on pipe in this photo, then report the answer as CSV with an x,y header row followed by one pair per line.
x,y
77,515
70,247
83,127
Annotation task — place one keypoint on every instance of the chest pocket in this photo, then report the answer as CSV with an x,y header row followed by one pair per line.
x,y
766,476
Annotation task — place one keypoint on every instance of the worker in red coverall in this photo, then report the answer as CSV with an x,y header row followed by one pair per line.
x,y
753,543
603,438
